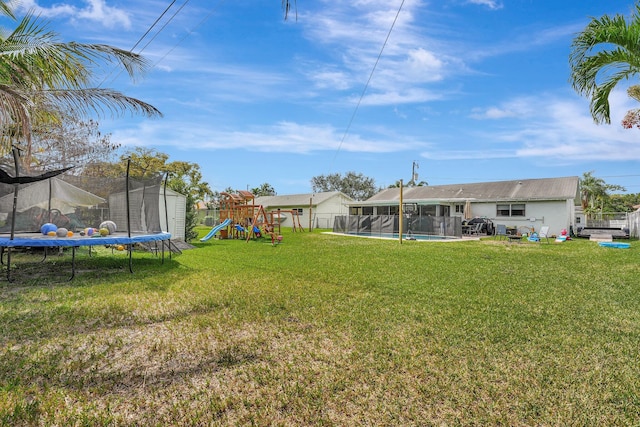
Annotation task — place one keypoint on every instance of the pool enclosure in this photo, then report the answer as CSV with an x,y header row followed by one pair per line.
x,y
385,225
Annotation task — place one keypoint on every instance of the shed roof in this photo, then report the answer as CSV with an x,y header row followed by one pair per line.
x,y
517,190
298,199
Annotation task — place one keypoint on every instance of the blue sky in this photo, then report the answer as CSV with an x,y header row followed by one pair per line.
x,y
471,90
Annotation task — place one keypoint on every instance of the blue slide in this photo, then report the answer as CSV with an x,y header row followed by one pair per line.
x,y
215,229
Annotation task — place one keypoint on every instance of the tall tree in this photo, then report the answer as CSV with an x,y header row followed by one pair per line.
x,y
72,142
622,203
42,77
264,190
604,53
356,186
595,193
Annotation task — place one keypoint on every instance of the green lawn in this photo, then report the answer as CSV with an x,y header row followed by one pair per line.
x,y
326,330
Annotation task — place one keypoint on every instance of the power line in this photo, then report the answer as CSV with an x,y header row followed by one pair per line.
x,y
164,26
366,86
205,19
189,32
154,24
142,38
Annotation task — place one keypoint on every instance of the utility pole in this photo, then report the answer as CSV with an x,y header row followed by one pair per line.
x,y
414,174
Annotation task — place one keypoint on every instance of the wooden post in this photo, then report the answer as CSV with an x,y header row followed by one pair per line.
x,y
310,214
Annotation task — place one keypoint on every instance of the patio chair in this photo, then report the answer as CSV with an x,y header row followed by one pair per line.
x,y
544,233
501,231
477,228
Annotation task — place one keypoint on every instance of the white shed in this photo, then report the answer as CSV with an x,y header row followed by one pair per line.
x,y
177,212
143,217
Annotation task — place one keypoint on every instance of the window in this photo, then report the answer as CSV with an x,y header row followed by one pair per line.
x,y
516,209
367,210
503,210
428,210
298,210
383,210
460,209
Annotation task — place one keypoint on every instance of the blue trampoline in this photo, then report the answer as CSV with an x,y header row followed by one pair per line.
x,y
134,210
38,240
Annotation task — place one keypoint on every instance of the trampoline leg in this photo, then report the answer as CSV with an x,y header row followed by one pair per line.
x,y
73,263
9,265
131,259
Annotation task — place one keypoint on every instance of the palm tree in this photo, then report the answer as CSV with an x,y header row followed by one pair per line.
x,y
604,53
594,193
41,78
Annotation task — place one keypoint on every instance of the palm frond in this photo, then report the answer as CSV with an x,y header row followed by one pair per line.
x,y
5,9
286,7
89,101
604,53
42,78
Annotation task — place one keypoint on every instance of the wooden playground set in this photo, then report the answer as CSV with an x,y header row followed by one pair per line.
x,y
241,218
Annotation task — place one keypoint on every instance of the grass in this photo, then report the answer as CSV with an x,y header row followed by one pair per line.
x,y
326,330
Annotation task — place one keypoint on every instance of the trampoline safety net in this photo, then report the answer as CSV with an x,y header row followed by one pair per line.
x,y
78,202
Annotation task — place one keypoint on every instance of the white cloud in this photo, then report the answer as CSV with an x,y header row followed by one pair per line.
x,y
94,11
330,79
424,65
520,107
551,128
283,137
491,4
357,32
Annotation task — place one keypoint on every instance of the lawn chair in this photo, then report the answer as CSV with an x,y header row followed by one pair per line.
x,y
501,231
544,233
477,228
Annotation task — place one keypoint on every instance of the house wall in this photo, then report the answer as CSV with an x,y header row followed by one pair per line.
x,y
321,215
324,214
557,215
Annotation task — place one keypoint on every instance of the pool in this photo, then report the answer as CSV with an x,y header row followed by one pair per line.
x,y
396,236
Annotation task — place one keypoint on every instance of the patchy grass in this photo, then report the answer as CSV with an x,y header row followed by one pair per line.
x,y
327,330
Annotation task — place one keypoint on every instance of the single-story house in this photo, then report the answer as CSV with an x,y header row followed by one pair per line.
x,y
524,203
317,210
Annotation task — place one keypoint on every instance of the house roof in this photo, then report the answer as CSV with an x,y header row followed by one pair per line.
x,y
298,199
518,190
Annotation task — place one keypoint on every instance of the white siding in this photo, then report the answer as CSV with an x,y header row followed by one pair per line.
x,y
324,214
557,215
321,214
